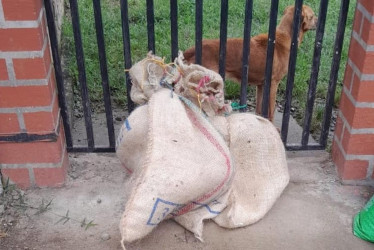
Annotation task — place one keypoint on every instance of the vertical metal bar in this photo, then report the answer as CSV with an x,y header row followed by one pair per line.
x,y
174,28
246,53
339,39
291,68
82,72
126,50
198,31
223,37
314,72
269,57
104,71
151,26
58,72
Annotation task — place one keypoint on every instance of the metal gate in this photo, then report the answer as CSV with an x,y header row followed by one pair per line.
x,y
304,143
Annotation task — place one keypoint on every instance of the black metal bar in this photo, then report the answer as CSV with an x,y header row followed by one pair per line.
x,y
58,72
174,28
151,26
339,39
291,69
93,150
314,72
126,51
27,137
104,71
82,72
246,53
269,57
298,147
223,37
198,31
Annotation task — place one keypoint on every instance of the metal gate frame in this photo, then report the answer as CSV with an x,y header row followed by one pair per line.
x,y
304,144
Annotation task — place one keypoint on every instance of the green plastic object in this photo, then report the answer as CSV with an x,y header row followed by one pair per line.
x,y
363,223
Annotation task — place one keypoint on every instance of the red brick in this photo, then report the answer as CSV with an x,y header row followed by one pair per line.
x,y
361,58
355,170
358,117
358,144
347,108
338,128
3,70
9,124
368,32
51,177
348,169
357,21
337,158
37,122
35,152
348,76
21,10
32,68
362,91
21,39
368,4
26,96
19,176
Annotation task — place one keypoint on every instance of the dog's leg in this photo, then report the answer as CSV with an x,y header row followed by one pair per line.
x,y
259,92
272,100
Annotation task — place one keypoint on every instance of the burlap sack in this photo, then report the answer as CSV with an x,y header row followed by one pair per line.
x,y
193,221
260,165
145,78
132,140
204,87
187,164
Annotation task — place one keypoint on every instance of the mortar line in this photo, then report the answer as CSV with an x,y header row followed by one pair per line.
x,y
10,69
365,13
362,23
32,177
370,170
363,77
21,121
2,18
364,45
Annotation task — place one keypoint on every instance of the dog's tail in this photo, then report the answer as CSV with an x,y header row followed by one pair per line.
x,y
189,55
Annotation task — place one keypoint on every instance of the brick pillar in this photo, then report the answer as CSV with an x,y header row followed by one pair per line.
x,y
29,109
353,145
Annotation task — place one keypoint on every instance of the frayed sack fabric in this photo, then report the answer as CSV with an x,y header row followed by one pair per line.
x,y
187,165
203,87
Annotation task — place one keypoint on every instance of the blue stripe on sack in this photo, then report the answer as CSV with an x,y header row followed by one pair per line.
x,y
207,207
127,124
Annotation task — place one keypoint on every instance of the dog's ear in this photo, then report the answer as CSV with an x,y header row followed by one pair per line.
x,y
303,17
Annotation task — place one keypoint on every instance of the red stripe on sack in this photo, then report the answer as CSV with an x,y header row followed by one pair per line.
x,y
215,143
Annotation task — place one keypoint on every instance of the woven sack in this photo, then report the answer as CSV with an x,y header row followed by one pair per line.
x,y
187,165
261,169
132,140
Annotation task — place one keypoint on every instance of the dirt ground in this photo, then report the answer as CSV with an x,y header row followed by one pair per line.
x,y
314,212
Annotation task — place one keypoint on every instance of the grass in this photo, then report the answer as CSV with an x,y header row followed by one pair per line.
x,y
211,19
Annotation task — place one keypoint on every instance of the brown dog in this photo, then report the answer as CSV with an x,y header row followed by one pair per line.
x,y
257,60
